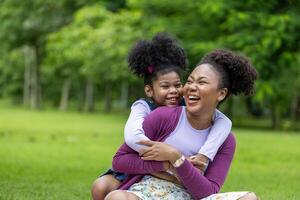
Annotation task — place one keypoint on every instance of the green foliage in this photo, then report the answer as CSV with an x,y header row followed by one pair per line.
x,y
84,40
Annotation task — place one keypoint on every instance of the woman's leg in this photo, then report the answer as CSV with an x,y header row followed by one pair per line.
x,y
104,185
121,194
249,196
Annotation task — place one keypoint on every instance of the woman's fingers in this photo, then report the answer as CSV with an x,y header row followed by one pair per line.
x,y
144,150
146,142
151,153
155,151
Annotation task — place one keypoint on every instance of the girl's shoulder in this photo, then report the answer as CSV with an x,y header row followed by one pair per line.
x,y
144,106
152,106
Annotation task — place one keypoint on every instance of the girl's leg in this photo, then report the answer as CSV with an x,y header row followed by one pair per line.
x,y
249,196
104,185
121,194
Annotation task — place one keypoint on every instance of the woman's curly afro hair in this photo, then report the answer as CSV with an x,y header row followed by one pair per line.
x,y
162,54
236,72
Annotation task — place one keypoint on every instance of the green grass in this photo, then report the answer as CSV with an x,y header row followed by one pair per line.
x,y
54,155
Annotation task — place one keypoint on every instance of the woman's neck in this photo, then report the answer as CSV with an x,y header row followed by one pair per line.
x,y
200,121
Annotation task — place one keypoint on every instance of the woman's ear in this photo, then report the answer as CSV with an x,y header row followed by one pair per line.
x,y
148,91
222,94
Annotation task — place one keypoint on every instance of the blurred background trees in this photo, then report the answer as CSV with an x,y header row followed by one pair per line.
x,y
72,54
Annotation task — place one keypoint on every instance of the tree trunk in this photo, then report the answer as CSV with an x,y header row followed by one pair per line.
x,y
295,108
275,116
89,95
26,84
124,94
64,100
81,93
108,97
34,80
298,109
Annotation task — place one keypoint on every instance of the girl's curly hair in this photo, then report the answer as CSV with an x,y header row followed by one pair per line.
x,y
161,55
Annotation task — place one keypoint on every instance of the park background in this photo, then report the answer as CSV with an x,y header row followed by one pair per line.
x,y
66,91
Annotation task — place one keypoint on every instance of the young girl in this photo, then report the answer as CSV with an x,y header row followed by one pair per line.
x,y
159,62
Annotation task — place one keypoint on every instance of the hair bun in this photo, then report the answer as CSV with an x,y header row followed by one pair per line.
x,y
241,73
161,50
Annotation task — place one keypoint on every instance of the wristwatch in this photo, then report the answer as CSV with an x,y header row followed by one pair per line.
x,y
179,162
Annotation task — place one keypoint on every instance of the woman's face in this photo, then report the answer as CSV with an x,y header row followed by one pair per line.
x,y
201,90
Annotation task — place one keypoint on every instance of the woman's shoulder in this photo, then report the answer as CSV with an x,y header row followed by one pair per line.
x,y
165,116
165,111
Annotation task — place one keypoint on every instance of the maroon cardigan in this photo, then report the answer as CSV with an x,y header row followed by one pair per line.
x,y
157,126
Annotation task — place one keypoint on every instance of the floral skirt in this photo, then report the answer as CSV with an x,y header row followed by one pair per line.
x,y
152,188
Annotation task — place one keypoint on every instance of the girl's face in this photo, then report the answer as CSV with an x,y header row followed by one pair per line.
x,y
166,90
201,90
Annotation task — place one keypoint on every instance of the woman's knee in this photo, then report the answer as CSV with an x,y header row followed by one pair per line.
x,y
249,196
121,194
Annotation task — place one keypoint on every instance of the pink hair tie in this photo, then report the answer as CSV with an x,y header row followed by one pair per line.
x,y
150,69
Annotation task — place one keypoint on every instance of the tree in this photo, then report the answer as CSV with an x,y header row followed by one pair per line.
x,y
94,45
27,30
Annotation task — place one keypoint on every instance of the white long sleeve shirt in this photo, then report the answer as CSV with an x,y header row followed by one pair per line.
x,y
134,132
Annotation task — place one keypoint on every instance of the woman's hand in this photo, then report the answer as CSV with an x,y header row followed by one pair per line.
x,y
158,151
167,176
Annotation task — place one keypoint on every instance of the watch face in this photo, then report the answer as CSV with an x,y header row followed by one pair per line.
x,y
179,161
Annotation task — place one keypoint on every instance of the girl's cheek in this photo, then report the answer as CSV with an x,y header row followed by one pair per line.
x,y
184,89
180,90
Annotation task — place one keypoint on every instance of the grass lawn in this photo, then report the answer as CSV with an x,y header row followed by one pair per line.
x,y
54,155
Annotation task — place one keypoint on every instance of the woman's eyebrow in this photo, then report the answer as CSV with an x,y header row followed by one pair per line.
x,y
198,78
202,77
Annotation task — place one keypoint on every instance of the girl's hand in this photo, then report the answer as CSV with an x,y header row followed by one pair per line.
x,y
158,151
199,161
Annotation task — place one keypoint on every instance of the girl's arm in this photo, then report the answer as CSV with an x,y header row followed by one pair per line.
x,y
217,135
133,131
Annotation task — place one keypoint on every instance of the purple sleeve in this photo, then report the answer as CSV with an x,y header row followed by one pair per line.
x,y
200,186
157,125
128,161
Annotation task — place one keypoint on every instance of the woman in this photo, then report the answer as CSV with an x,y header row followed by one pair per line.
x,y
159,62
180,132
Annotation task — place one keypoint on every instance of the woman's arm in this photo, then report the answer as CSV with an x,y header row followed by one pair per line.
x,y
157,126
128,161
217,135
200,186
197,185
133,131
